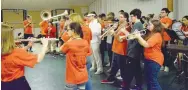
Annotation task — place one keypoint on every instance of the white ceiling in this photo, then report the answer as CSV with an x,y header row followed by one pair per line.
x,y
42,4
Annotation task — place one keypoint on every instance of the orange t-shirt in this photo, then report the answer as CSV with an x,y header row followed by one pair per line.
x,y
102,25
185,29
28,29
65,37
154,51
87,34
169,22
12,65
43,26
76,52
120,47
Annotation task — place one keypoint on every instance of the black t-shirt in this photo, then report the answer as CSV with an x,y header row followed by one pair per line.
x,y
135,50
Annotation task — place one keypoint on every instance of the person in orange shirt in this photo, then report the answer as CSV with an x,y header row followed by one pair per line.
x,y
51,33
28,30
185,28
76,50
87,35
167,23
62,30
153,55
43,26
86,19
185,25
119,48
13,61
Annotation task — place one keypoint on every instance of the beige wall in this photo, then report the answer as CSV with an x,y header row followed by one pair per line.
x,y
16,19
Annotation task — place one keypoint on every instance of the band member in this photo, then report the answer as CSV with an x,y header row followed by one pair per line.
x,y
43,26
119,48
134,54
62,30
185,29
101,20
87,35
76,49
86,19
153,55
51,33
110,24
185,25
28,30
13,61
166,22
95,27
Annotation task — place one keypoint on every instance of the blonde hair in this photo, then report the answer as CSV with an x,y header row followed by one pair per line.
x,y
76,18
7,39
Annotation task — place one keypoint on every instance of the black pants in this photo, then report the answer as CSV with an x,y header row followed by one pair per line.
x,y
166,56
26,36
102,50
18,84
130,68
115,66
109,49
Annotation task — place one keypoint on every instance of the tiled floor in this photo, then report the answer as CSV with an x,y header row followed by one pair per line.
x,y
50,75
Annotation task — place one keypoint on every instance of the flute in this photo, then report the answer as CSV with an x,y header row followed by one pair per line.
x,y
35,40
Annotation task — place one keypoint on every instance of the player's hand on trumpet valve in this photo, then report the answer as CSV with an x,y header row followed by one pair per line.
x,y
134,36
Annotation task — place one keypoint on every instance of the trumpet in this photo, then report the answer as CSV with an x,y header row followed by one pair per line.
x,y
46,15
115,25
132,35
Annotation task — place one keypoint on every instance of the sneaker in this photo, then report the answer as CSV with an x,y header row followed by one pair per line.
x,y
166,69
107,65
107,82
99,72
92,69
119,78
118,73
162,68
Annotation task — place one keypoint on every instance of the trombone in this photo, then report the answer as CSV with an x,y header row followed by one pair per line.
x,y
46,15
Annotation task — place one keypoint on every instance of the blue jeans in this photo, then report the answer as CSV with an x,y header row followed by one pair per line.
x,y
151,71
88,85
